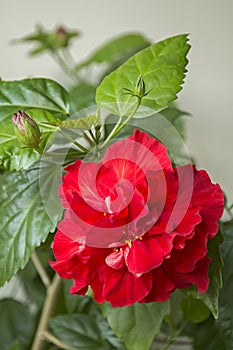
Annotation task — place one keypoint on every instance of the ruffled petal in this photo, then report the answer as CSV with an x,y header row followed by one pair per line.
x,y
121,288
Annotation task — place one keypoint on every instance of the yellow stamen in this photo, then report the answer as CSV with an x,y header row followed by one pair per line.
x,y
105,214
129,243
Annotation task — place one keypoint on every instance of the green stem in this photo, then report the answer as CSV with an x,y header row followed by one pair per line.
x,y
173,338
84,149
40,269
66,69
119,126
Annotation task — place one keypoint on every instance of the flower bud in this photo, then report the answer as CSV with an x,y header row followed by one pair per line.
x,y
26,129
140,89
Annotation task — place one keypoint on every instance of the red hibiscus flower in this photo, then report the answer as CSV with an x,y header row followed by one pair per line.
x,y
134,228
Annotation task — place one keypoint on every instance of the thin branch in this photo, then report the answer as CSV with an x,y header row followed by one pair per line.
x,y
49,337
49,306
40,269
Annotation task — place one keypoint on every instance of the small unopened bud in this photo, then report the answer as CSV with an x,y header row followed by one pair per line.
x,y
140,87
62,36
26,129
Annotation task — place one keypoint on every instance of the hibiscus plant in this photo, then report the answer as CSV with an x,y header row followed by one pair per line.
x,y
111,230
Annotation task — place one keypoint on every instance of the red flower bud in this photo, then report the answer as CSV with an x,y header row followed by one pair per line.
x,y
26,129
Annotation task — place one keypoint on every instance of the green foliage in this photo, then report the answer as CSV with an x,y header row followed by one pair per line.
x,y
162,67
81,96
206,336
48,40
83,332
116,48
225,320
16,325
13,154
138,324
82,123
194,310
33,93
211,297
25,222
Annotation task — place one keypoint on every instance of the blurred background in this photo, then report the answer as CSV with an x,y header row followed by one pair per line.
x,y
207,93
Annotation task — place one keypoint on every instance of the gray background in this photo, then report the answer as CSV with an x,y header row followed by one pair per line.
x,y
207,93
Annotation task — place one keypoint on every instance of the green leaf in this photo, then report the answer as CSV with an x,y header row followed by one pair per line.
x,y
30,209
15,346
211,297
78,331
162,67
82,123
16,325
225,320
13,154
206,336
38,93
81,96
117,48
194,310
138,324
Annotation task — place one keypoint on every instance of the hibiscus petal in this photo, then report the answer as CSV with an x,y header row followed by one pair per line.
x,y
184,260
161,289
144,255
121,288
210,199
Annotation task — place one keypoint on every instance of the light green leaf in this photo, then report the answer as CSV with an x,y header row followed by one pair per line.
x,y
162,67
78,332
38,93
16,325
117,48
30,209
13,154
138,324
82,123
225,320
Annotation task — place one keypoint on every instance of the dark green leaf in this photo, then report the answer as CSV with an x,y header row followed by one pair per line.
x,y
162,67
206,336
32,284
108,333
13,154
211,297
194,310
225,320
81,96
16,325
138,324
15,346
30,210
78,331
38,93
122,46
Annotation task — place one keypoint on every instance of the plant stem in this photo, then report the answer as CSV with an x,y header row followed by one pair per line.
x,y
173,338
66,69
119,126
47,336
48,308
84,149
40,269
